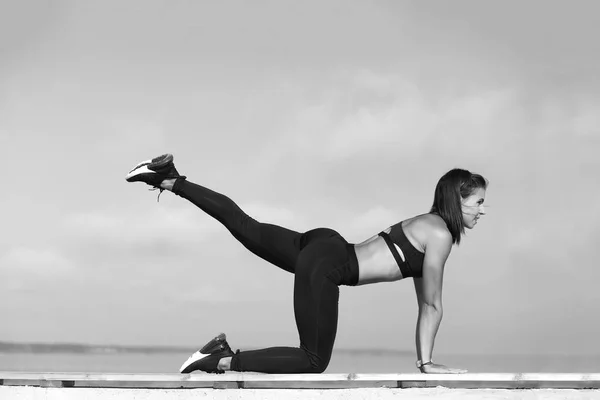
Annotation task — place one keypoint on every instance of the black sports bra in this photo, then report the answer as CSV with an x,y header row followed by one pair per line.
x,y
413,266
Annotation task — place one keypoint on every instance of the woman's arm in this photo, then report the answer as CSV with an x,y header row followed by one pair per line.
x,y
429,298
429,292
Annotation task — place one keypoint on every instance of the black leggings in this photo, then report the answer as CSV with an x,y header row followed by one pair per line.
x,y
320,259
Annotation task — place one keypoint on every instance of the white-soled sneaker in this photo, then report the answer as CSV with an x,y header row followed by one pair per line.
x,y
153,172
207,358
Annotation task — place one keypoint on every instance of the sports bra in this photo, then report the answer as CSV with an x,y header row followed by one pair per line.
x,y
413,264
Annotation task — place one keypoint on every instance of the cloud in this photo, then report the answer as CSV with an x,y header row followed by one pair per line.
x,y
372,221
24,268
362,113
273,214
45,261
150,249
586,122
145,131
187,224
204,293
182,224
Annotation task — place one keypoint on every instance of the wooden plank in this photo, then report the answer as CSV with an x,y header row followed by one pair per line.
x,y
302,381
496,384
133,384
346,384
298,377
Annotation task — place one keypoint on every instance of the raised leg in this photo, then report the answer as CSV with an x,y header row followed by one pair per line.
x,y
275,244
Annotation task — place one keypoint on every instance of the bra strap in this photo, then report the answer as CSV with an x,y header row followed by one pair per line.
x,y
401,264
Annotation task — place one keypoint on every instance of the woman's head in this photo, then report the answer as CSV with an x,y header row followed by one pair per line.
x,y
458,199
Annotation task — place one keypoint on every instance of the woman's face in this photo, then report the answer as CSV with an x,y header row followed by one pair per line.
x,y
472,208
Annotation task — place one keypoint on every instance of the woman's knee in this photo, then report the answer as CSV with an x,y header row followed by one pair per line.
x,y
318,367
317,363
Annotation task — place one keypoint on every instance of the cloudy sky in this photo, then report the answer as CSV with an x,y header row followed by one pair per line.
x,y
317,113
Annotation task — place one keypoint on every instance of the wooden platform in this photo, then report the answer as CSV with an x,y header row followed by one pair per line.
x,y
236,380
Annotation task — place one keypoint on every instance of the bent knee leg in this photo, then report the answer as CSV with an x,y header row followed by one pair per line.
x,y
320,368
316,363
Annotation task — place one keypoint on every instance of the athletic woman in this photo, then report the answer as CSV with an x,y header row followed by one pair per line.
x,y
322,260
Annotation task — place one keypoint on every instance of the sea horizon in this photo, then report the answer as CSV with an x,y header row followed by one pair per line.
x,y
97,358
7,346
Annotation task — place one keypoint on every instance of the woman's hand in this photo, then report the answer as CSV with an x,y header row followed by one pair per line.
x,y
440,369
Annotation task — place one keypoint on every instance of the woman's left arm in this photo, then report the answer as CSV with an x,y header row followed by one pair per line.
x,y
429,297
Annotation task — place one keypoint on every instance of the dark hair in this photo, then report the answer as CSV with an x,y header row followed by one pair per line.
x,y
455,185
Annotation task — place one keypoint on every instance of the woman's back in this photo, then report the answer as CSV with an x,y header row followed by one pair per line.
x,y
408,239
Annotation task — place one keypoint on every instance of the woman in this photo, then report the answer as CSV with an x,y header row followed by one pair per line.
x,y
321,260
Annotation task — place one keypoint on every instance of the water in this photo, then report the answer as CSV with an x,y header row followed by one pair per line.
x,y
342,362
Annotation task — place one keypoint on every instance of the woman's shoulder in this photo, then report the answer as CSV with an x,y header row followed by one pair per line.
x,y
429,220
428,226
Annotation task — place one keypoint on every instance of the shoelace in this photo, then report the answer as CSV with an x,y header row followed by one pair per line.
x,y
157,188
162,190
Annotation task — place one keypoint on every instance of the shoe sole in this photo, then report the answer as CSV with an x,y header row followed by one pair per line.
x,y
188,366
203,352
150,166
197,356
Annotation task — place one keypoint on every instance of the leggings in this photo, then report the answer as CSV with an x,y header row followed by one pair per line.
x,y
320,259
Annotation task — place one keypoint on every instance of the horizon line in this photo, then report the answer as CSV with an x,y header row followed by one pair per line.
x,y
78,347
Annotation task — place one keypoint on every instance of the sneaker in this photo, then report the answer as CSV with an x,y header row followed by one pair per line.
x,y
207,358
153,172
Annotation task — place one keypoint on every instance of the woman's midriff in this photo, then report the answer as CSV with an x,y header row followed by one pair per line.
x,y
375,262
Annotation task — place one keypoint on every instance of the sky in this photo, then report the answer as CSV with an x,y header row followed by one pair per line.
x,y
339,114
